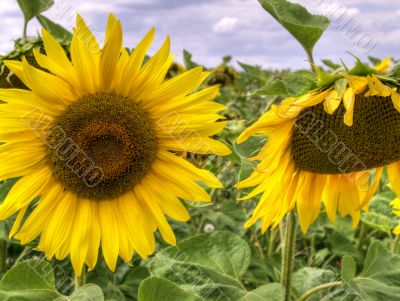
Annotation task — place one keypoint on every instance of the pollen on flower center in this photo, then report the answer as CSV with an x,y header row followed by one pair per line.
x,y
322,143
101,146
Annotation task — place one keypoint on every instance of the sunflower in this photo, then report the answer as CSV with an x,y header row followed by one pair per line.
x,y
328,146
385,65
98,139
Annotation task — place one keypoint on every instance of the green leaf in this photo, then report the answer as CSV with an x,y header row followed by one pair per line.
x,y
325,79
206,265
270,292
257,72
305,27
5,187
380,278
276,87
31,280
377,221
32,8
187,60
348,268
331,64
158,289
60,33
308,278
361,69
300,82
88,292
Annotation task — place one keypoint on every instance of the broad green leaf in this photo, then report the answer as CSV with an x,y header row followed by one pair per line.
x,y
300,82
88,292
305,27
158,289
307,278
348,268
31,280
206,265
377,221
32,8
257,72
60,33
276,87
270,292
380,277
342,245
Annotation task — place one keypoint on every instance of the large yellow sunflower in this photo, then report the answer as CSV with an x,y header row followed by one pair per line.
x,y
96,138
328,146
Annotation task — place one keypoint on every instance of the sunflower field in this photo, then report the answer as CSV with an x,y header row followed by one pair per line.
x,y
129,176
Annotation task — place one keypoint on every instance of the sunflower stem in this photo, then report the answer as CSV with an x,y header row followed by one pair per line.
x,y
311,60
288,254
3,256
80,280
317,289
361,236
271,243
24,31
396,244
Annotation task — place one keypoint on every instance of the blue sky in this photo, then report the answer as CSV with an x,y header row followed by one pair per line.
x,y
211,29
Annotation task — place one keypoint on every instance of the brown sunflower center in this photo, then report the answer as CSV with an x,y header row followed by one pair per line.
x,y
101,146
322,143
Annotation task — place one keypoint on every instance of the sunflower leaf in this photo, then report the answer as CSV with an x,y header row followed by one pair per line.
x,y
32,8
276,87
380,278
159,289
209,266
305,27
377,221
270,292
348,268
60,33
331,64
307,278
361,69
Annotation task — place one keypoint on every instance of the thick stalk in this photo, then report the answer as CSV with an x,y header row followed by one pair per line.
x,y
288,255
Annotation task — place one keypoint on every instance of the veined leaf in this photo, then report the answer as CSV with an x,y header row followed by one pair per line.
x,y
305,27
32,8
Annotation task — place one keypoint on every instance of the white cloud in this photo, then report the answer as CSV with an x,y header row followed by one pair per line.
x,y
226,24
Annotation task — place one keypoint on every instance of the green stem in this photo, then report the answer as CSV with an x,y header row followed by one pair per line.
x,y
361,236
271,243
396,244
312,249
3,256
288,255
80,280
25,251
319,288
311,60
25,30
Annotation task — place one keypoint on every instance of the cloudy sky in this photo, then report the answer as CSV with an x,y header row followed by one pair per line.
x,y
211,29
